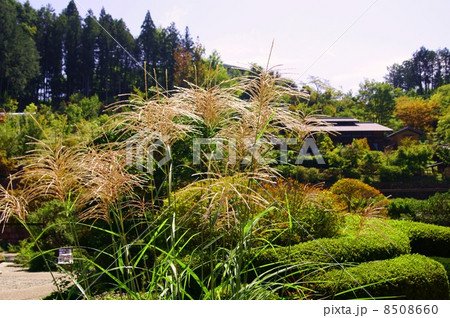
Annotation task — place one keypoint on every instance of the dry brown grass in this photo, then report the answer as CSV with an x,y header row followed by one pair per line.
x,y
268,105
88,180
156,118
107,182
215,106
52,171
267,113
12,204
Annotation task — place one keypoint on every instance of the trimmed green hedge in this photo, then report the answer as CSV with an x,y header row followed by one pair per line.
x,y
445,261
368,246
405,277
426,239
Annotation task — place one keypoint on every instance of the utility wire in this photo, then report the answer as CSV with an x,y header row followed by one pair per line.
x,y
91,14
337,39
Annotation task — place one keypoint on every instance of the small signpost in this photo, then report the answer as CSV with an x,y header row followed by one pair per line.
x,y
65,256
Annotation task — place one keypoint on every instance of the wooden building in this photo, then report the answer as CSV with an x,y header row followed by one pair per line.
x,y
394,139
344,129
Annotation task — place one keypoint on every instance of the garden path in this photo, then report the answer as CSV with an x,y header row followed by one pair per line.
x,y
16,283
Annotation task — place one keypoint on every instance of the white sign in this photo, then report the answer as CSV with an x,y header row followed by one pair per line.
x,y
65,256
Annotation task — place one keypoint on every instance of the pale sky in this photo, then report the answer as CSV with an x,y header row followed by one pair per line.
x,y
342,41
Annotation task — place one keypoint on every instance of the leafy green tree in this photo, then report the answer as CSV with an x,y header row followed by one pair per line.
x,y
9,145
324,143
348,158
89,106
370,164
89,35
424,72
46,46
148,43
169,44
412,158
442,96
443,128
378,101
323,97
443,153
19,58
72,49
73,112
215,72
15,133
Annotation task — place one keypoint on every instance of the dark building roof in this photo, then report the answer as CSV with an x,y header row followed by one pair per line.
x,y
348,124
408,128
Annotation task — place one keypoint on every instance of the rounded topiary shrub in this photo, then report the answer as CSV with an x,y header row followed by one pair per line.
x,y
426,239
409,277
358,196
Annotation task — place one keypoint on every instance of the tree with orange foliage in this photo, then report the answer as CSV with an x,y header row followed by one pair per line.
x,y
417,112
184,69
359,196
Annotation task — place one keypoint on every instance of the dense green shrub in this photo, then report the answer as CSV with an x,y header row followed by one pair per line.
x,y
331,175
435,210
389,173
403,208
412,158
27,255
426,239
355,160
407,276
369,245
55,230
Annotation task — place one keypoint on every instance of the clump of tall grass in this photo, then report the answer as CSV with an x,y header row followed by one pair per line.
x,y
157,117
108,182
214,106
153,257
52,171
